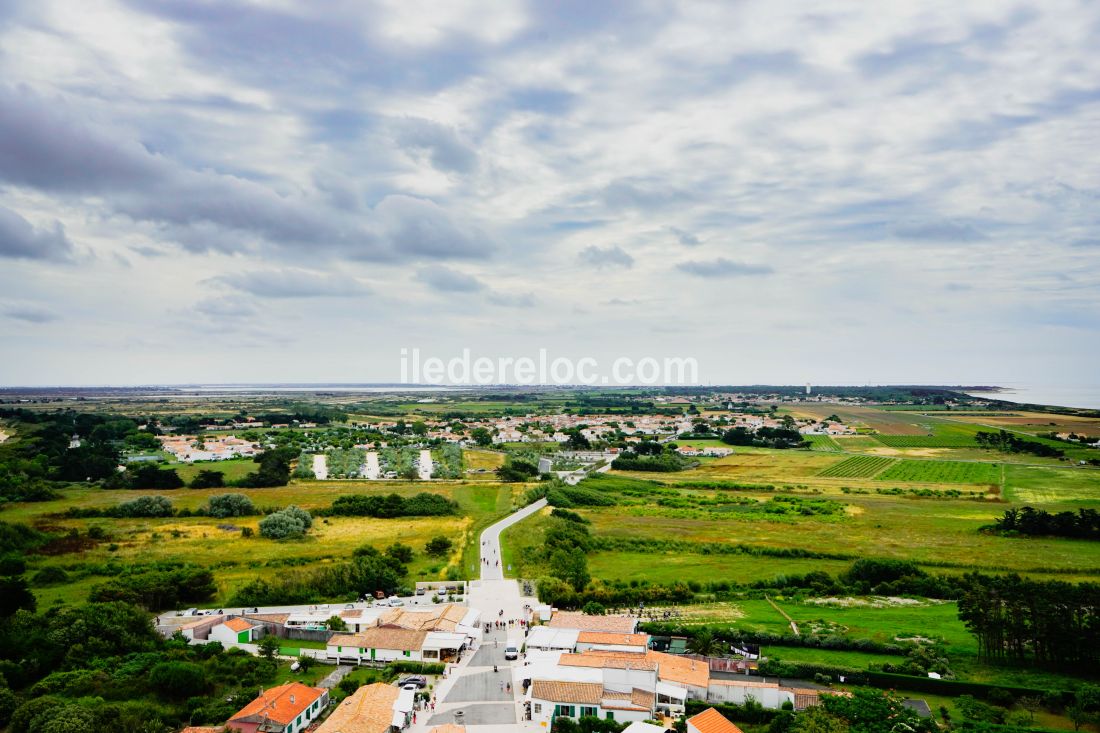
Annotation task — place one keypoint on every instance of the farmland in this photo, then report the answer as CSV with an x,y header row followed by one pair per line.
x,y
857,467
822,443
943,472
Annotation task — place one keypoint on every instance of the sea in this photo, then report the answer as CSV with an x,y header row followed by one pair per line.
x,y
1058,395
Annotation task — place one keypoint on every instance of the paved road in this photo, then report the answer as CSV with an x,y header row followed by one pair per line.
x,y
490,541
424,465
371,469
320,466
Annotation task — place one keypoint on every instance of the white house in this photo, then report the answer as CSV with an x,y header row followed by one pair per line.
x,y
550,699
235,631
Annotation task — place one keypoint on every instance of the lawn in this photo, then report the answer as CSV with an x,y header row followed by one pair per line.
x,y
234,470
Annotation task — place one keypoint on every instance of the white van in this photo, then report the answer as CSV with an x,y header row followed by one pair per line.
x,y
511,649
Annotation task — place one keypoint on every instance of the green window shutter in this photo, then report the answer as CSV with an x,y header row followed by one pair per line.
x,y
610,715
339,648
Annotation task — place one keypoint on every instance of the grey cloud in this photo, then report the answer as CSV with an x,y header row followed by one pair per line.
x,y
44,144
722,267
291,283
206,211
513,300
19,239
614,256
28,312
620,302
446,150
946,231
228,306
414,226
685,238
447,280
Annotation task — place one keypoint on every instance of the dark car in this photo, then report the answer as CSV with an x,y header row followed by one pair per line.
x,y
415,679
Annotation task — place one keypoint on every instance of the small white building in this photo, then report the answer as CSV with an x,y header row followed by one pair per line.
x,y
235,631
544,638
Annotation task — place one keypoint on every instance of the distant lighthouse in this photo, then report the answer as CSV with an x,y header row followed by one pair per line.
x,y
807,387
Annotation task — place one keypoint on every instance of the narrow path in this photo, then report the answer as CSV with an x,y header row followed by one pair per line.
x,y
491,569
794,626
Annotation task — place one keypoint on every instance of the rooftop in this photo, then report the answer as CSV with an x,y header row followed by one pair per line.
x,y
368,710
281,704
712,721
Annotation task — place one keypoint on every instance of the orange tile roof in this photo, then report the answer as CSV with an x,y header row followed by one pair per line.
x,y
712,721
607,637
588,693
238,624
607,660
674,668
275,703
581,622
382,637
368,710
448,728
203,729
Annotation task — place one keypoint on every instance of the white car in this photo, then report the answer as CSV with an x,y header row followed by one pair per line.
x,y
394,601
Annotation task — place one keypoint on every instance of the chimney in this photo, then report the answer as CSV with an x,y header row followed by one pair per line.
x,y
292,699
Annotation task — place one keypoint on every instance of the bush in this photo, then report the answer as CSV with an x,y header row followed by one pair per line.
x,y
230,505
146,506
178,680
208,480
287,523
438,546
400,552
50,576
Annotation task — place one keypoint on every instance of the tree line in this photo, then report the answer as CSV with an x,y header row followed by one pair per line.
x,y
1084,524
1006,442
1051,623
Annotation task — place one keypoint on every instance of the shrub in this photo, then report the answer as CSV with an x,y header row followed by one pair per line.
x,y
438,546
50,576
289,522
230,505
178,680
400,552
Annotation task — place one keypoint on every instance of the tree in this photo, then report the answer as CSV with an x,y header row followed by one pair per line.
x,y
438,546
482,436
229,505
400,552
335,623
15,595
704,643
572,567
593,608
1085,705
874,711
269,647
817,720
300,514
178,680
208,480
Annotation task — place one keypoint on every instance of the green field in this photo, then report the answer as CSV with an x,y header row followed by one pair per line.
x,y
857,467
822,443
235,560
944,472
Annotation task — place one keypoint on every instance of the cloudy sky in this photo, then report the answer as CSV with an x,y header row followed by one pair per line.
x,y
271,190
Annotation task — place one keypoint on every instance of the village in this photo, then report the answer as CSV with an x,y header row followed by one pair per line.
x,y
497,661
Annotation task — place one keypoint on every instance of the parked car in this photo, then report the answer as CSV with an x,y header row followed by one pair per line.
x,y
419,591
416,680
394,601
